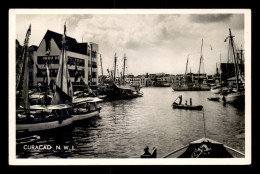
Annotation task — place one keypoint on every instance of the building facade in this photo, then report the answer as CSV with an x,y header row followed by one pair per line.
x,y
78,55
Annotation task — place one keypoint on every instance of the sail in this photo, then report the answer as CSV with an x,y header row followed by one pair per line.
x,y
22,59
48,74
22,76
64,91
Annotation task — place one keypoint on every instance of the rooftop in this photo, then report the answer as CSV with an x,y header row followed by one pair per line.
x,y
72,44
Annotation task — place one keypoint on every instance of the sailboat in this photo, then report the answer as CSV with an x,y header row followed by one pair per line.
x,y
201,148
121,90
42,117
236,91
190,86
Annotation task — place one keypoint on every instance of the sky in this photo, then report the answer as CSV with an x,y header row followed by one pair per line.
x,y
153,43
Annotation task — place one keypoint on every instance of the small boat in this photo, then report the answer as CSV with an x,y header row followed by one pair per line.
x,y
216,89
85,108
189,107
43,118
213,98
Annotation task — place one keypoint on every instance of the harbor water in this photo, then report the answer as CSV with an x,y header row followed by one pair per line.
x,y
126,127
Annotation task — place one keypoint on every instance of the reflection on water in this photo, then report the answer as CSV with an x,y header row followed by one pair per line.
x,y
125,127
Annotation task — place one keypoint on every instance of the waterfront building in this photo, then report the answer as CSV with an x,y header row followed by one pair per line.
x,y
93,64
80,58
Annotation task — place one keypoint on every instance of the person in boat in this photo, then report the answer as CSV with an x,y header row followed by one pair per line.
x,y
180,99
202,151
146,151
186,102
191,101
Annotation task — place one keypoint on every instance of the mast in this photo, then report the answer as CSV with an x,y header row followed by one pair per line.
x,y
101,69
64,90
124,70
109,74
115,69
234,57
201,57
25,102
186,68
220,71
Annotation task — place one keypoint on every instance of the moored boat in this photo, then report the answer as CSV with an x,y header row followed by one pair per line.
x,y
43,118
33,118
236,92
85,108
122,90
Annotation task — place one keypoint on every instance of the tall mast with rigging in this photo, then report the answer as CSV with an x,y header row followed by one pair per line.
x,y
201,57
231,42
186,68
25,85
124,70
115,68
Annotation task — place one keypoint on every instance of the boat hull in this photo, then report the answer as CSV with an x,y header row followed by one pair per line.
x,y
188,107
237,97
85,115
34,127
190,88
215,90
205,148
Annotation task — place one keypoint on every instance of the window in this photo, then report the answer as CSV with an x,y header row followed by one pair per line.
x,y
51,59
76,61
53,72
94,54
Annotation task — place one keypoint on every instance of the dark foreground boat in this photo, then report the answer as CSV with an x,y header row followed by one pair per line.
x,y
189,107
203,148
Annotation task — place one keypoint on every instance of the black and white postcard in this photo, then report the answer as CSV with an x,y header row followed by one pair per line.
x,y
129,87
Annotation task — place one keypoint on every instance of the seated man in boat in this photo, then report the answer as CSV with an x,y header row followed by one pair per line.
x,y
191,101
201,152
146,151
186,103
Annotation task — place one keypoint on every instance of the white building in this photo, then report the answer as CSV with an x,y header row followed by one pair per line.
x,y
78,59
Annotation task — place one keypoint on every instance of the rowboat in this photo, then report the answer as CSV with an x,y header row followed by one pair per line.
x,y
189,107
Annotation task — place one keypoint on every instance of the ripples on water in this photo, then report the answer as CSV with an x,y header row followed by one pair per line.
x,y
125,127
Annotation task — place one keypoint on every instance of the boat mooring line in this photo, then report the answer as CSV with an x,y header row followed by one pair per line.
x,y
174,151
234,150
